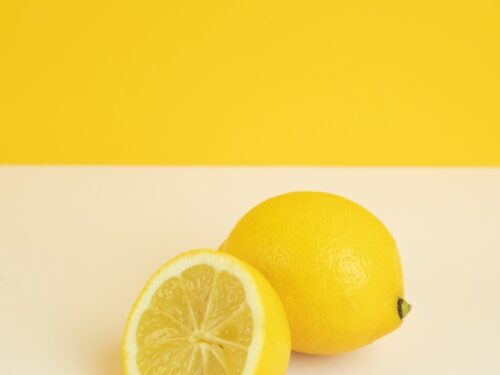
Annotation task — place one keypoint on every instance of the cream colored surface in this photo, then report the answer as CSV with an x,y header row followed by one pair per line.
x,y
78,243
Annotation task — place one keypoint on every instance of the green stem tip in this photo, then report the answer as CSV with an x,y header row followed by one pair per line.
x,y
403,308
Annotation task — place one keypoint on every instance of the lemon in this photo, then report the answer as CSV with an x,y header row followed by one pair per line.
x,y
206,313
334,264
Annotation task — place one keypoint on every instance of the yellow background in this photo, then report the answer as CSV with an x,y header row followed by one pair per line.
x,y
250,82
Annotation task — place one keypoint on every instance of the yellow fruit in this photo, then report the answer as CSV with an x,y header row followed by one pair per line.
x,y
206,313
335,266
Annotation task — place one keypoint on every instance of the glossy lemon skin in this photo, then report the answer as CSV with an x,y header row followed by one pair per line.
x,y
335,266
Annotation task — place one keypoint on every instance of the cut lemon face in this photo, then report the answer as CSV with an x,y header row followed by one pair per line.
x,y
206,313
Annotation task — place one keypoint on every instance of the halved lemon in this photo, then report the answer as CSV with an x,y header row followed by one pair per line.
x,y
206,313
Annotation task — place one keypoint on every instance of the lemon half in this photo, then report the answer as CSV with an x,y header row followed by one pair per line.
x,y
206,313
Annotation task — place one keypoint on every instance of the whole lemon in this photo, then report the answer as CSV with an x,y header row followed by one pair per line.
x,y
334,265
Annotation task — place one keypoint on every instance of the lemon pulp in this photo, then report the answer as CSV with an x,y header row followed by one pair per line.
x,y
197,323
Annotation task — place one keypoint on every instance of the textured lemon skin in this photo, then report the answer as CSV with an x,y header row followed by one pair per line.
x,y
276,348
335,266
274,354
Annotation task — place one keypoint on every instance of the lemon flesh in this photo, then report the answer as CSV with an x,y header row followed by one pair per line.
x,y
335,266
203,314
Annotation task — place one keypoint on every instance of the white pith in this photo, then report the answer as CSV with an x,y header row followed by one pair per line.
x,y
219,262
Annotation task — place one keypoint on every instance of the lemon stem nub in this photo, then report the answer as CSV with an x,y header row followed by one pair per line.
x,y
403,308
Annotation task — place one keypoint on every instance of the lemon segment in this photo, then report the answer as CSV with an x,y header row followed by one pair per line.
x,y
205,313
